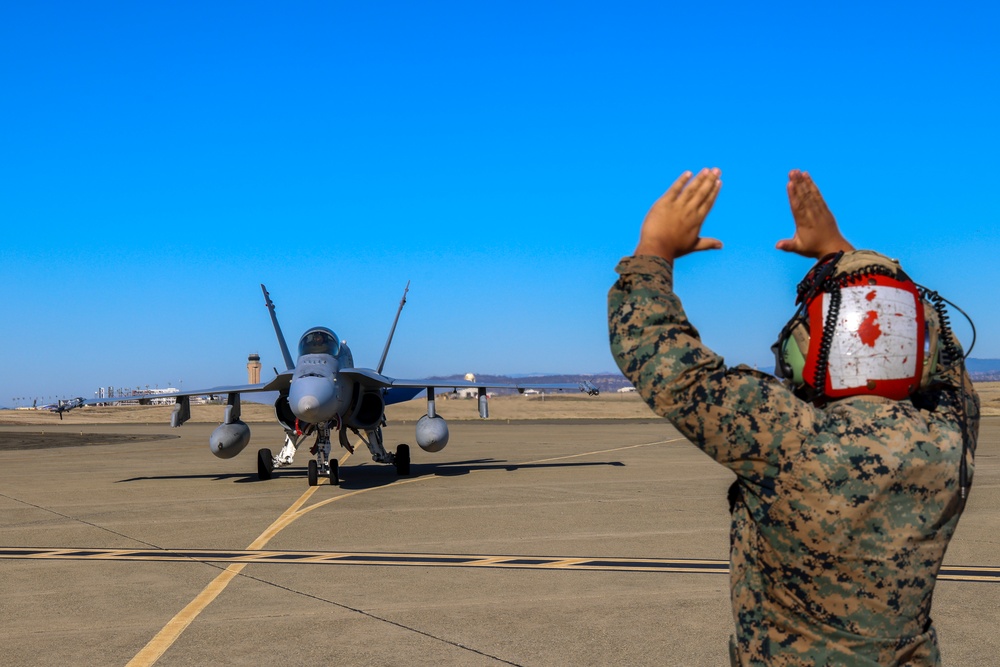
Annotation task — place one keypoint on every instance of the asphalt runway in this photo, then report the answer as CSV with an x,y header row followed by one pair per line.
x,y
528,543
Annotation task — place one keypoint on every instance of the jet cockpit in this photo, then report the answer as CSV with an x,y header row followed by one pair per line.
x,y
319,341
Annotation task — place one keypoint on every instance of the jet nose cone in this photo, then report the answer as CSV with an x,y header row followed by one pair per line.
x,y
313,400
307,407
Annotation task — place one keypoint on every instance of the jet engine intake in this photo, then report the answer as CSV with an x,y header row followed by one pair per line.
x,y
283,412
228,440
366,410
432,433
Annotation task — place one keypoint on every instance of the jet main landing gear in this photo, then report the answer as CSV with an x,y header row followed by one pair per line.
x,y
402,460
265,464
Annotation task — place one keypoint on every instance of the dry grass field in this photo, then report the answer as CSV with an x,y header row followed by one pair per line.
x,y
544,406
548,406
989,396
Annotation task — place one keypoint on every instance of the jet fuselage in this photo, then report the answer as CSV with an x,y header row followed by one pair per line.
x,y
317,394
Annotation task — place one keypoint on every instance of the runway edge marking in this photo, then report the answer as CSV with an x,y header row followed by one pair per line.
x,y
240,558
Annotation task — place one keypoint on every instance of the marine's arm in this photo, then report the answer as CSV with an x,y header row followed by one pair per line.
x,y
740,417
734,415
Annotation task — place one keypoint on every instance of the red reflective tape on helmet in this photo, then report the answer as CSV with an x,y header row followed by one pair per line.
x,y
877,343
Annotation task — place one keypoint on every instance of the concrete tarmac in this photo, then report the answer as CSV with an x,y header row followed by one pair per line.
x,y
381,587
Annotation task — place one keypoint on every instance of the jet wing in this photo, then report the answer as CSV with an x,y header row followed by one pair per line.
x,y
371,379
367,378
401,394
280,383
520,386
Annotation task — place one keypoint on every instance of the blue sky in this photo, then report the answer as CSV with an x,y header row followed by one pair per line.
x,y
160,160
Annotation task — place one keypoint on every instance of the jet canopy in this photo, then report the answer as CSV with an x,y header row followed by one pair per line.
x,y
319,341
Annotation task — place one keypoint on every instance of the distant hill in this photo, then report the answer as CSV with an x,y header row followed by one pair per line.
x,y
606,382
980,370
983,370
982,365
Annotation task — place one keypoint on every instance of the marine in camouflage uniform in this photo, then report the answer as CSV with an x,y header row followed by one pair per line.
x,y
843,512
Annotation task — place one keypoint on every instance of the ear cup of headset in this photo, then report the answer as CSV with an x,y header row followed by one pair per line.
x,y
932,344
794,351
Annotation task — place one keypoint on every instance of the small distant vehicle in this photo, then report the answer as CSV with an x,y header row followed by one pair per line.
x,y
322,391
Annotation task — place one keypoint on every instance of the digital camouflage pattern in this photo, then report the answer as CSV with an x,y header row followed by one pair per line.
x,y
843,513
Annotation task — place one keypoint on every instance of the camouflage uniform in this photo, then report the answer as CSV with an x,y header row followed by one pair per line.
x,y
843,513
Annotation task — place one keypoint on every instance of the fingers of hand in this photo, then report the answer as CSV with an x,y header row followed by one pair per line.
x,y
708,201
707,244
793,198
804,198
788,245
699,195
678,186
698,186
811,199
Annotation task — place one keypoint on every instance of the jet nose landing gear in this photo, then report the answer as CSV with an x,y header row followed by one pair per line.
x,y
323,464
331,470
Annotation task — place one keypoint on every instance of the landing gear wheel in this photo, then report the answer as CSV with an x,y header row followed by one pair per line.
x,y
334,472
403,460
313,473
265,464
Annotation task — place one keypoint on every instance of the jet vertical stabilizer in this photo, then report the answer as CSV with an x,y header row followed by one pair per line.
x,y
289,365
388,342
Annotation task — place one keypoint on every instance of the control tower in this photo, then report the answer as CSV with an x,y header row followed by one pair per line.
x,y
253,368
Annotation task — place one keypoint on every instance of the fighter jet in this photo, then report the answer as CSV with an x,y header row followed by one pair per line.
x,y
321,392
64,405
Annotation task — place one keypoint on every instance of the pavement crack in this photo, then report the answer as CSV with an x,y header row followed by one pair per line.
x,y
380,619
83,521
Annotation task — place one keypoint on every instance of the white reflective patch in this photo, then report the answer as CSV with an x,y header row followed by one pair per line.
x,y
876,336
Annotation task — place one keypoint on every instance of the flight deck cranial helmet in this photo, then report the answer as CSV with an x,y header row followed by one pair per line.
x,y
862,328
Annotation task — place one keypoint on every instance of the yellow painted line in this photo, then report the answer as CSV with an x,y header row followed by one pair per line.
x,y
565,563
965,577
960,573
493,561
158,645
165,638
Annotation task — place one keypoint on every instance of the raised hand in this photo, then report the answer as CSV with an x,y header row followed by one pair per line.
x,y
816,231
672,226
